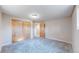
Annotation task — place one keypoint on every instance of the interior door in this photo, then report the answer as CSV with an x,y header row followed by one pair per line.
x,y
42,29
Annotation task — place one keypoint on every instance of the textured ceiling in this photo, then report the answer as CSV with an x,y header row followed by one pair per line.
x,y
46,12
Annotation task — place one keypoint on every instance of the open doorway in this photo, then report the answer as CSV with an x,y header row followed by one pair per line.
x,y
39,29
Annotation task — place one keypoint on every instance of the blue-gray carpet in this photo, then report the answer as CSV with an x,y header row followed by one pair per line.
x,y
38,45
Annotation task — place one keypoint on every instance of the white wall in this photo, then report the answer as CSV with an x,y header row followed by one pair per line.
x,y
78,18
74,17
75,31
61,29
6,29
0,29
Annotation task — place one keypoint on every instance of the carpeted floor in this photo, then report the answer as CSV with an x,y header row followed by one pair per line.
x,y
38,45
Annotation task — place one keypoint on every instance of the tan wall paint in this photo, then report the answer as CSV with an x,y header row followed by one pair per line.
x,y
59,29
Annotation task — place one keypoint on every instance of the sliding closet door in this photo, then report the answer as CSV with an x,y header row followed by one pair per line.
x,y
17,34
20,30
26,29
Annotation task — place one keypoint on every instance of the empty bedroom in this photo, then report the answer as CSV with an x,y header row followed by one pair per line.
x,y
38,29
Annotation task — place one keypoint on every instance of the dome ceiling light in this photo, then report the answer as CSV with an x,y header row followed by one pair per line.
x,y
34,16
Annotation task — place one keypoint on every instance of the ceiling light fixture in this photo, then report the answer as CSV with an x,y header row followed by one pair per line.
x,y
34,16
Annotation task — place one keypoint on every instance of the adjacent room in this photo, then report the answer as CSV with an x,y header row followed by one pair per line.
x,y
39,28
